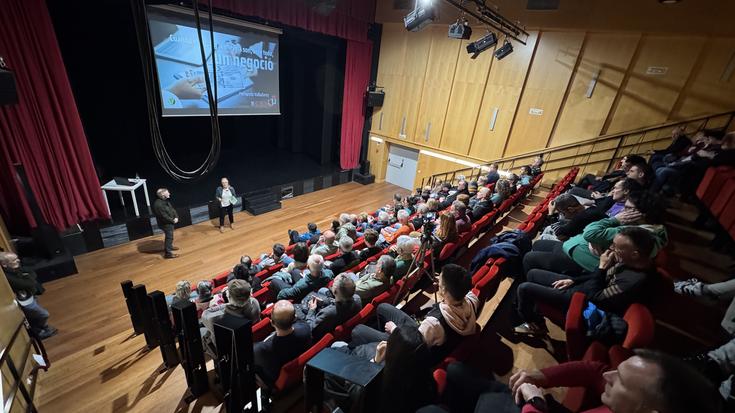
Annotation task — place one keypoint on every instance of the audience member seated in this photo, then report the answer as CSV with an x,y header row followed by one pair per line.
x,y
314,278
525,176
347,258
311,235
325,312
421,213
492,174
327,244
407,383
459,211
472,188
718,366
445,324
346,228
278,256
204,296
371,239
647,382
513,182
382,221
26,287
239,303
182,294
300,256
581,252
590,183
502,192
445,232
403,227
291,338
641,173
375,279
679,147
726,155
614,202
361,223
482,203
404,249
538,162
481,181
573,218
619,280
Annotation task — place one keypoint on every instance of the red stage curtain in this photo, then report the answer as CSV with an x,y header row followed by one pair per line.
x,y
357,77
43,131
350,20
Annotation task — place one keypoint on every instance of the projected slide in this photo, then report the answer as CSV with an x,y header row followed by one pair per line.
x,y
245,55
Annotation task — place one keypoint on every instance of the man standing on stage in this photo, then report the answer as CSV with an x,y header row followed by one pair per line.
x,y
166,217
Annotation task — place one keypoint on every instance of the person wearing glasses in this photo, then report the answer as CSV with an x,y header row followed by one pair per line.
x,y
619,280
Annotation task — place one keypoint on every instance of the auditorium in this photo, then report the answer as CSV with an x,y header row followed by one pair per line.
x,y
431,206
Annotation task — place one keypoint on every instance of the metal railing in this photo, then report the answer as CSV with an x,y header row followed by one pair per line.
x,y
599,154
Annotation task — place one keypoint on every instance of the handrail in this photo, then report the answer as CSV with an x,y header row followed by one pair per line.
x,y
474,172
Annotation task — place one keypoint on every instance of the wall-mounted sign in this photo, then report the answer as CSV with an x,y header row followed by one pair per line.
x,y
657,70
536,111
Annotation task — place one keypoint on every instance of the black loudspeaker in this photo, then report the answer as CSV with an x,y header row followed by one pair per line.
x,y
146,315
133,310
8,91
375,98
47,240
234,363
184,217
191,352
165,330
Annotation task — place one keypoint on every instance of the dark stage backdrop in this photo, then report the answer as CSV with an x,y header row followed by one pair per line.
x,y
101,53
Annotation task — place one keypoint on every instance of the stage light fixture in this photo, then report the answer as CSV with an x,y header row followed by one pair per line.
x,y
460,30
480,45
504,50
423,14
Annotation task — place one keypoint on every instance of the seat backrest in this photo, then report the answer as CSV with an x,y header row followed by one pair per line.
x,y
292,371
261,329
641,327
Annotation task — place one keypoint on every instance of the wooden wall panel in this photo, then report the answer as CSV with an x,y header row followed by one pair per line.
x,y
412,81
712,86
606,56
502,92
551,70
430,165
387,119
437,85
646,99
464,102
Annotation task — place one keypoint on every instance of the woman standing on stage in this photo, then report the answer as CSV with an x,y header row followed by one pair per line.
x,y
225,194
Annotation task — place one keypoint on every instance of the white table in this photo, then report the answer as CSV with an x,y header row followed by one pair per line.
x,y
113,186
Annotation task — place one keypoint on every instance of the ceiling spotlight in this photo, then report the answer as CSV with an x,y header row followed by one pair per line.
x,y
422,15
504,50
460,30
482,44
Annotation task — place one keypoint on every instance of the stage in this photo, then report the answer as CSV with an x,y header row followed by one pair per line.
x,y
97,365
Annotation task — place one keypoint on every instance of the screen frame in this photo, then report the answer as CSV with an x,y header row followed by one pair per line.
x,y
216,18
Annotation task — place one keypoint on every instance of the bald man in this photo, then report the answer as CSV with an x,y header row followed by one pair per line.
x,y
26,287
290,339
327,244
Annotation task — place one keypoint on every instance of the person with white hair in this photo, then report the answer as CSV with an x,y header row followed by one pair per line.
x,y
382,221
324,313
346,227
182,293
347,257
376,279
405,248
314,278
240,304
402,227
166,217
482,203
26,287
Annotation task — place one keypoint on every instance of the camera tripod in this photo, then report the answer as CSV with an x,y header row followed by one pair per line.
x,y
417,265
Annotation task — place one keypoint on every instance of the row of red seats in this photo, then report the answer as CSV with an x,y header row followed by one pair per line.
x,y
717,191
486,281
291,372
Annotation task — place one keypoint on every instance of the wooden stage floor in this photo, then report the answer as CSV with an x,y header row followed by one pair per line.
x,y
96,363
